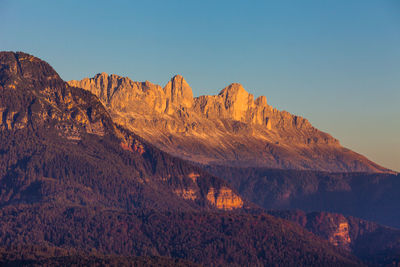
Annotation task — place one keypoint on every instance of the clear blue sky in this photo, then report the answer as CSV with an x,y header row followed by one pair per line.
x,y
336,63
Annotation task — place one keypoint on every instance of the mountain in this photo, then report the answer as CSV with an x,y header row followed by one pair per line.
x,y
272,158
230,128
51,131
71,179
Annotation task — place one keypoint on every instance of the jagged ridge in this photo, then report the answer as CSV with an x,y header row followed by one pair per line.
x,y
230,128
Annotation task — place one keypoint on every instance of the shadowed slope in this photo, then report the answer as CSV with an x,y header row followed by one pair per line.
x,y
374,243
370,196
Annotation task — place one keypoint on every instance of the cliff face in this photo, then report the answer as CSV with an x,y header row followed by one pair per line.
x,y
333,227
230,128
224,198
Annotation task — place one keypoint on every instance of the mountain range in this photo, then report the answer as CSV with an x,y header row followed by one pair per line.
x,y
119,175
230,128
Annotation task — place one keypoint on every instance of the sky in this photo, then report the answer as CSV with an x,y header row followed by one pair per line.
x,y
336,63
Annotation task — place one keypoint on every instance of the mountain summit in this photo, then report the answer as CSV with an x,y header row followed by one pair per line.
x,y
178,92
231,128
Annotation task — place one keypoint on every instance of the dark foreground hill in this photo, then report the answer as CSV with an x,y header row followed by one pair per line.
x,y
47,256
226,239
71,179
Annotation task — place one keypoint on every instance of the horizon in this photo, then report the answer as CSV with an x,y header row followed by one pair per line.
x,y
317,55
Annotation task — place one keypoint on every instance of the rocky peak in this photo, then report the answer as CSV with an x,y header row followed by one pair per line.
x,y
179,92
235,93
20,69
237,101
261,101
103,75
232,89
35,95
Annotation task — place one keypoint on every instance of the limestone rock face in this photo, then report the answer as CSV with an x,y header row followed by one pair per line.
x,y
237,101
224,199
178,93
230,128
123,94
340,237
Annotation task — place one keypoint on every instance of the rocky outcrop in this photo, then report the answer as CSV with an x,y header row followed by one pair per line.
x,y
340,237
178,94
125,95
234,103
230,128
333,227
224,199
